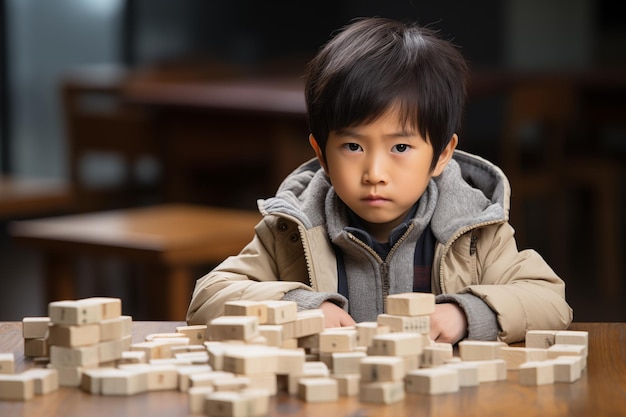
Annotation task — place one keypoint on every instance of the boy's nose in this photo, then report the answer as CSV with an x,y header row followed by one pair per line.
x,y
374,171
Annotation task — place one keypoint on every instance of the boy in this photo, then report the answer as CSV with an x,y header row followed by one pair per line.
x,y
389,206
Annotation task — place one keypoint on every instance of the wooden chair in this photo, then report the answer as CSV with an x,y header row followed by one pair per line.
x,y
170,239
540,118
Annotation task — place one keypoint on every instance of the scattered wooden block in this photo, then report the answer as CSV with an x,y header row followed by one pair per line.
x,y
233,328
515,356
273,334
250,361
432,381
309,370
280,311
337,340
123,382
247,403
567,368
381,392
396,344
16,387
318,389
366,331
197,396
110,308
347,384
491,370
382,369
479,350
308,322
570,337
257,309
115,328
555,351
74,312
184,383
468,373
236,383
536,373
542,339
36,348
45,380
7,363
74,357
35,327
411,304
396,323
70,376
436,354
346,363
289,361
197,334
132,356
74,336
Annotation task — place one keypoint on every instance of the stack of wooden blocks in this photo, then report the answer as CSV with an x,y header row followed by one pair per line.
x,y
233,365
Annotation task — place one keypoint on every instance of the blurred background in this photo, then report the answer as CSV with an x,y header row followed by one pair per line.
x,y
130,103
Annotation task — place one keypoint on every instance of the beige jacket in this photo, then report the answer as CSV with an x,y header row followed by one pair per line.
x,y
481,258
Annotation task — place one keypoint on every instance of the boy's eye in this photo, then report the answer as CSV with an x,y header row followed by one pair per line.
x,y
400,148
352,147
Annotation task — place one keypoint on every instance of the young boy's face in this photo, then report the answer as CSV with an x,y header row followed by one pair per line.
x,y
380,170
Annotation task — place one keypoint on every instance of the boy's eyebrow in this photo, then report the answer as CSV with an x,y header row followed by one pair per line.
x,y
348,132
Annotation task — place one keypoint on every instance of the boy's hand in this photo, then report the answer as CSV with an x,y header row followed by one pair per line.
x,y
335,316
448,323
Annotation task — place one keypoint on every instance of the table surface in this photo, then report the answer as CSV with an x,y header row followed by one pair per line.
x,y
601,391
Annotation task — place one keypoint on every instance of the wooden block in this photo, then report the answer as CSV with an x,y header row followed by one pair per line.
x,y
36,348
281,311
124,382
196,397
268,382
35,327
248,361
247,403
309,370
273,334
436,354
382,369
555,351
91,379
74,312
570,337
256,309
396,344
70,376
432,381
467,371
130,357
536,373
163,346
235,383
342,363
412,362
157,337
207,379
318,390
110,350
411,304
74,336
337,340
184,372
74,357
7,363
196,334
46,380
542,339
110,308
347,384
515,356
409,324
290,361
115,328
161,377
16,387
479,350
367,330
567,368
233,328
381,392
194,358
491,370
308,322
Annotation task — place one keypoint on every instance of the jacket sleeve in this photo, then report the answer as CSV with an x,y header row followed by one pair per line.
x,y
519,286
251,275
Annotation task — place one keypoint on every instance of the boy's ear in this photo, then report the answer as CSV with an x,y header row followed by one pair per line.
x,y
318,152
445,156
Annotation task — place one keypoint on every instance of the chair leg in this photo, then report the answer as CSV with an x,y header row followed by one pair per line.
x,y
179,288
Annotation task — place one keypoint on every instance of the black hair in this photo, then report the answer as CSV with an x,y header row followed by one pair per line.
x,y
374,64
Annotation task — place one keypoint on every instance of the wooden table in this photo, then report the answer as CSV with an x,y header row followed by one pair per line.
x,y
29,196
600,392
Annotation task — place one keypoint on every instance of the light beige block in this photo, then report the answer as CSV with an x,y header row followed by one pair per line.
x,y
74,336
366,331
342,363
197,334
249,361
381,392
152,337
542,339
197,396
16,387
7,363
91,379
567,368
290,361
479,350
124,382
571,337
515,356
70,376
318,390
247,403
256,309
536,373
194,358
309,370
110,307
382,369
467,371
235,383
207,379
130,357
397,344
268,382
410,324
411,304
115,328
436,354
337,340
555,351
36,348
347,384
281,311
308,322
35,327
491,370
78,356
110,350
432,381
273,334
184,372
74,312
46,380
233,328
